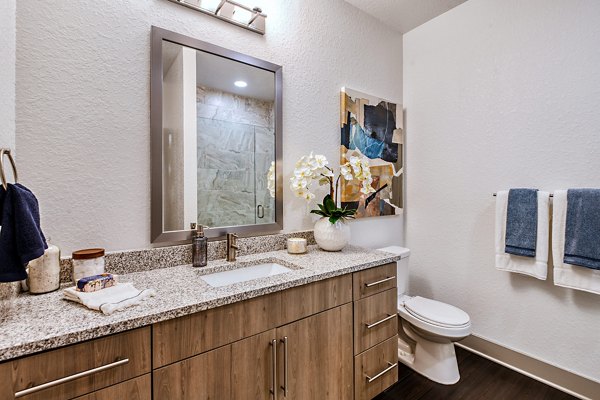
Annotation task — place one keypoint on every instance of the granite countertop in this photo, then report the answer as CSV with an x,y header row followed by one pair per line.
x,y
42,322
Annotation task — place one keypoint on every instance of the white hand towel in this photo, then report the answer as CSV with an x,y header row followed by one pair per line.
x,y
533,266
568,275
111,299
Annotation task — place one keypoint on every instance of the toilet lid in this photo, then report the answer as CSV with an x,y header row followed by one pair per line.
x,y
436,312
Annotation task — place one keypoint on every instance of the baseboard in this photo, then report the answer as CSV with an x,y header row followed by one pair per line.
x,y
568,382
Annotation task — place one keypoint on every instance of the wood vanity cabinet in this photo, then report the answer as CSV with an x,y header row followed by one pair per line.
x,y
296,343
334,339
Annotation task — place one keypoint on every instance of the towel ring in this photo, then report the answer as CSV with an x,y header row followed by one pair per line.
x,y
12,163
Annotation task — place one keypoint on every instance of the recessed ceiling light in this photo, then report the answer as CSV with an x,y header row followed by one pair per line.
x,y
240,83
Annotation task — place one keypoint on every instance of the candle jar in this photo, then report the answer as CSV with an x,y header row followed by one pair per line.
x,y
87,262
296,245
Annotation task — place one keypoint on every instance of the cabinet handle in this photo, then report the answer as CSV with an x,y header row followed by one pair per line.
x,y
274,376
285,365
70,378
381,321
260,211
385,371
380,282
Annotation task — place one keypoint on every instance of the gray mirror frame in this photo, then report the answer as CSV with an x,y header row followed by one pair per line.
x,y
158,235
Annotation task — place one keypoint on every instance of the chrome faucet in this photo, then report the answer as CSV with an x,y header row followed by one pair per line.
x,y
232,246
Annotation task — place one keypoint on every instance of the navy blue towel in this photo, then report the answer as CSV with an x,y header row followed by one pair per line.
x,y
582,233
521,222
21,238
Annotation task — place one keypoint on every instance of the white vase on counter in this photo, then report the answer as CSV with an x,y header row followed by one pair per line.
x,y
332,237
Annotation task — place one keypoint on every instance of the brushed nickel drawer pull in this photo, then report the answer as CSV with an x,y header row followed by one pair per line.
x,y
385,371
70,378
274,359
285,366
380,282
381,321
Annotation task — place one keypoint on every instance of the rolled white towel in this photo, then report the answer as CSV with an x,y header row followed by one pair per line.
x,y
111,299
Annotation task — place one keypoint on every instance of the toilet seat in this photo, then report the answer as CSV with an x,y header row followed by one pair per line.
x,y
434,316
437,313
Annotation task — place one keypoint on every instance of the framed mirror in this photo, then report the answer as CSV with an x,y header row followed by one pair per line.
x,y
216,140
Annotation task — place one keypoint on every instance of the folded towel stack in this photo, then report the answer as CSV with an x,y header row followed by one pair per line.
x,y
21,237
109,300
521,240
576,239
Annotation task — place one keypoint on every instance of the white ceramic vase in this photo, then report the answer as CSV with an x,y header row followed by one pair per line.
x,y
332,237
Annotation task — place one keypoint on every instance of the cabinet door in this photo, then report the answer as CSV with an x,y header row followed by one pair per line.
x,y
318,363
253,370
202,377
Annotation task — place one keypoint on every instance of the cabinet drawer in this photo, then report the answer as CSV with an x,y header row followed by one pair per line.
x,y
139,388
306,300
375,320
179,338
376,369
374,280
79,369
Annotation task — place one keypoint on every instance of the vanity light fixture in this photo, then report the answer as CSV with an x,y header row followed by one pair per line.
x,y
230,11
240,84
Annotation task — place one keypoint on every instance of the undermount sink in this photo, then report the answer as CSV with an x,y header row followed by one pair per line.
x,y
243,274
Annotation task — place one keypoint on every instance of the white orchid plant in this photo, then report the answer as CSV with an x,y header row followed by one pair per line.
x,y
271,179
314,168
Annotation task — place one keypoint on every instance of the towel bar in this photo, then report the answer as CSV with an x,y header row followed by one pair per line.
x,y
12,163
494,194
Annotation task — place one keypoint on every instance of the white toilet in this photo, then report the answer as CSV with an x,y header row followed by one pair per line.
x,y
429,329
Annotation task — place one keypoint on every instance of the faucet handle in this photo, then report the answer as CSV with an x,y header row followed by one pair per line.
x,y
231,246
232,240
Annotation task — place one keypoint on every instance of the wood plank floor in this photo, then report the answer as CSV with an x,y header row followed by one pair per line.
x,y
480,379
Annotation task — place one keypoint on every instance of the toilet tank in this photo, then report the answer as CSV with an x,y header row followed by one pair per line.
x,y
401,267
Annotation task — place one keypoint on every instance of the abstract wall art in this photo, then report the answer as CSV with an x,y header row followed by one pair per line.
x,y
372,128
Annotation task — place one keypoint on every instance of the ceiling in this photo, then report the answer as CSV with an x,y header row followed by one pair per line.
x,y
220,73
404,15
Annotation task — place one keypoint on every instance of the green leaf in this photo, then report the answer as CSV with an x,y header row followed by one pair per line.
x,y
329,204
333,220
319,212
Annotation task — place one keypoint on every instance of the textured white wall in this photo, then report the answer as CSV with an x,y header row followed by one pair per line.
x,y
500,94
83,101
7,73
